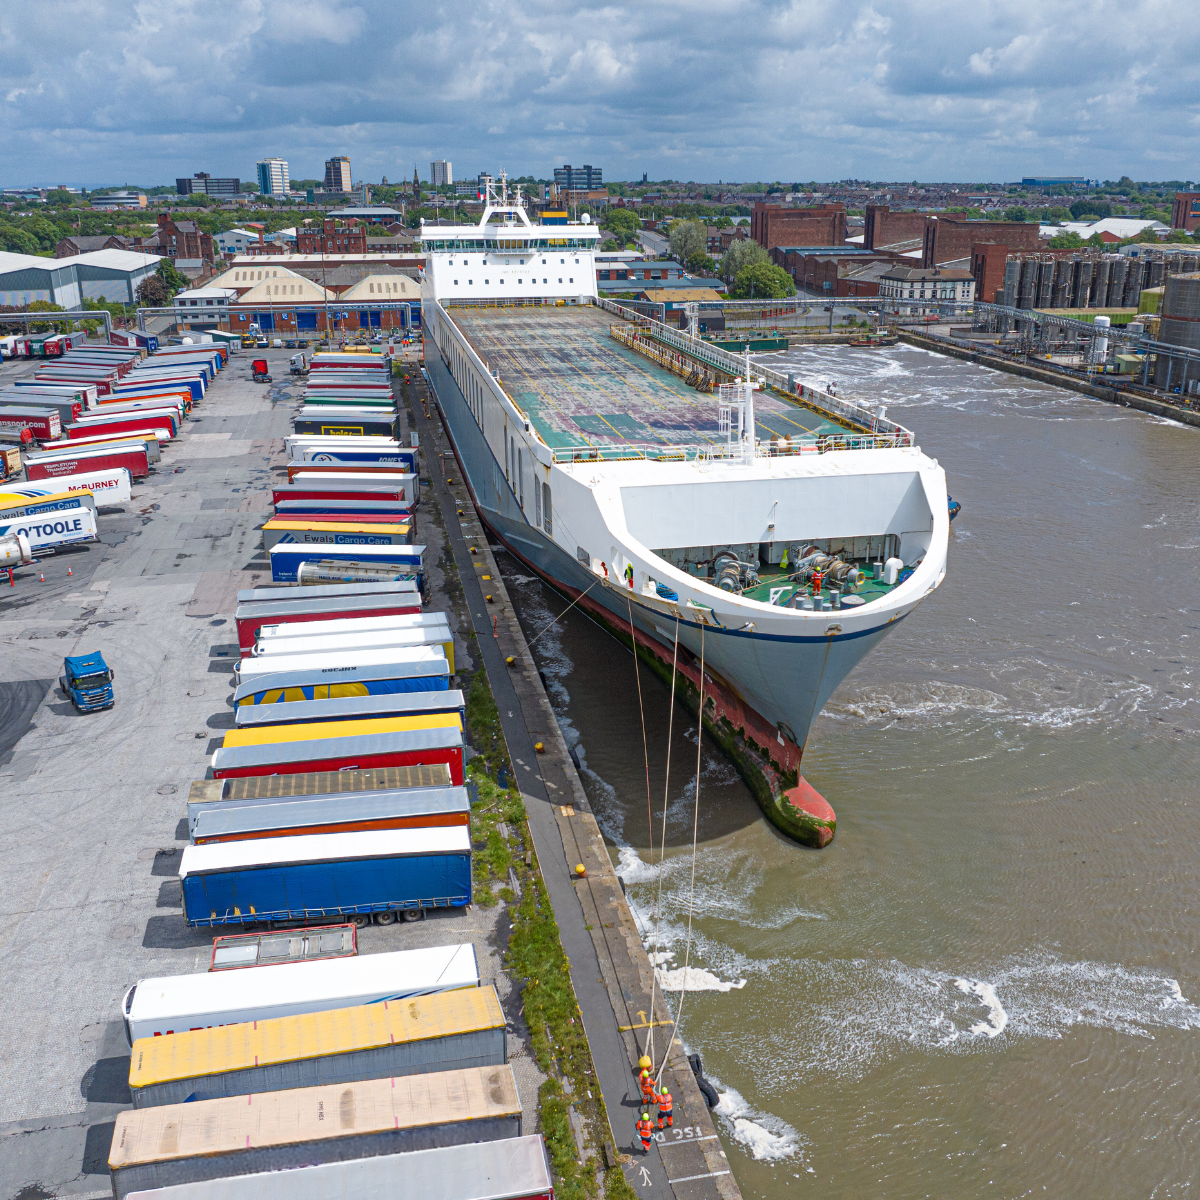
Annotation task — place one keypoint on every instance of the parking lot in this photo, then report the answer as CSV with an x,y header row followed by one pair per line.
x,y
93,805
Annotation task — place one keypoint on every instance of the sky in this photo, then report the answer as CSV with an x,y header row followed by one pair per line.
x,y
143,91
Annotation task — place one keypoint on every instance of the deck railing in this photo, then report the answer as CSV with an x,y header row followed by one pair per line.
x,y
786,384
719,451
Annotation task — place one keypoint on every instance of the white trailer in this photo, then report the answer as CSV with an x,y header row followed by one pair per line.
x,y
172,1003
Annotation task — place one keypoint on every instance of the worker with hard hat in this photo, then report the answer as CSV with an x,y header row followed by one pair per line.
x,y
645,1128
647,1082
666,1106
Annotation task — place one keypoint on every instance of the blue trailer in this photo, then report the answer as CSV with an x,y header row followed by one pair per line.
x,y
286,558
312,877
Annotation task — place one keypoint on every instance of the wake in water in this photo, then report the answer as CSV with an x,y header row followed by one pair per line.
x,y
860,1013
766,1137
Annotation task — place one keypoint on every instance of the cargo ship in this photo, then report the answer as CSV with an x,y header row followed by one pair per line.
x,y
707,510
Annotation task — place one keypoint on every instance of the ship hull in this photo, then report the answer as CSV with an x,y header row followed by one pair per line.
x,y
762,692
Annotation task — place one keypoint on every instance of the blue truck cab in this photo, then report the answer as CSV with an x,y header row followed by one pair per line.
x,y
87,682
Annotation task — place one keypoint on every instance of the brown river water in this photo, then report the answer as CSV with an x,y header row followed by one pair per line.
x,y
987,984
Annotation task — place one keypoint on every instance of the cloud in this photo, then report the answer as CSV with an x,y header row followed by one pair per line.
x,y
96,92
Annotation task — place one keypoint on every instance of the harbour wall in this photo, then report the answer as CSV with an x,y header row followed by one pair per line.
x,y
1158,408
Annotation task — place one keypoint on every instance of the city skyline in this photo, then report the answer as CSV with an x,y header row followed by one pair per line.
x,y
694,91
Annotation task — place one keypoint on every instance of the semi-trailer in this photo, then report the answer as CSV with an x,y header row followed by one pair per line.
x,y
65,460
351,708
336,474
354,812
511,1169
338,745
354,508
260,789
280,632
44,423
453,1031
272,1131
108,487
319,642
286,558
315,532
355,422
149,440
66,407
168,1004
59,520
287,677
280,610
380,873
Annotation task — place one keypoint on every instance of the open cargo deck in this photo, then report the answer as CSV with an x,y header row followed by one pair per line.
x,y
581,387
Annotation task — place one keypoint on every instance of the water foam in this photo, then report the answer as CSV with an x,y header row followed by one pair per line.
x,y
861,1013
765,1136
695,979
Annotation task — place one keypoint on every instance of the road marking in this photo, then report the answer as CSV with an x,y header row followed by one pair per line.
x,y
689,1178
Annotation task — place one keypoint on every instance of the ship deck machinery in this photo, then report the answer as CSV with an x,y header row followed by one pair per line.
x,y
655,506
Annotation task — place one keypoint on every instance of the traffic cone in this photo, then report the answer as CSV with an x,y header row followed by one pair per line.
x,y
42,577
70,572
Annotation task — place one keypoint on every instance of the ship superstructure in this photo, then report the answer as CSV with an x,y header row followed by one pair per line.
x,y
708,504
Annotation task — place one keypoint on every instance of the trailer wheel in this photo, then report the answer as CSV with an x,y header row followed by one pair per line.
x,y
385,918
360,920
414,914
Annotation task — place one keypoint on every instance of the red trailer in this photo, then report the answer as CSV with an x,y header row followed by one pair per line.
x,y
372,491
250,618
125,424
50,466
43,423
356,753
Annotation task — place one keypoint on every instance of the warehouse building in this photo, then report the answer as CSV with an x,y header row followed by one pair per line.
x,y
112,274
25,278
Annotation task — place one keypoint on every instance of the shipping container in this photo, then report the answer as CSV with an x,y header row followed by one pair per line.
x,y
434,634
314,876
453,1031
68,461
338,745
169,1004
354,812
43,423
512,1169
108,487
285,559
241,951
287,677
314,532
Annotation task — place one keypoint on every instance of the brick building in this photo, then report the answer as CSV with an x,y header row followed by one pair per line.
x,y
831,270
333,237
1185,213
69,247
883,227
183,242
773,225
950,240
928,284
988,261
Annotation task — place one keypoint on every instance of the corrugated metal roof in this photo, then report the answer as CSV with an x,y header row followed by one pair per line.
x,y
200,1052
227,1126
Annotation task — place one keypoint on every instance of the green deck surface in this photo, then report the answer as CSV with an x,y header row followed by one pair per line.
x,y
771,579
580,387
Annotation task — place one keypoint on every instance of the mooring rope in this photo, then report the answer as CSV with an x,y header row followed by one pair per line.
x,y
662,848
687,946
